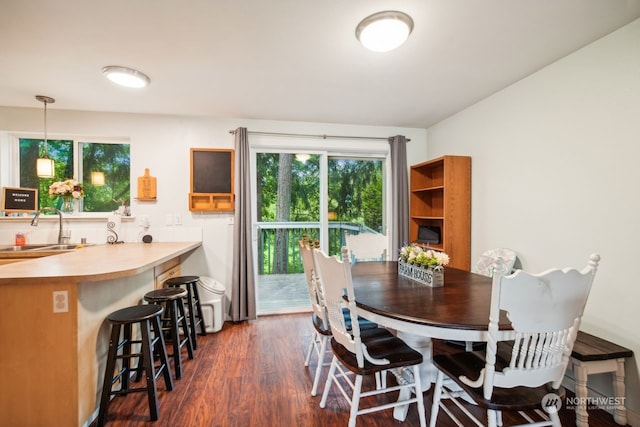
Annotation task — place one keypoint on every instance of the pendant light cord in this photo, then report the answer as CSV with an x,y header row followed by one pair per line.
x,y
46,145
46,100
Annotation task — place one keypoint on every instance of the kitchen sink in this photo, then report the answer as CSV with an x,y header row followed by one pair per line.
x,y
60,247
23,248
43,247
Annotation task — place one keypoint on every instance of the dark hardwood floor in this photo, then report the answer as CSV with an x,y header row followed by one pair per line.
x,y
252,374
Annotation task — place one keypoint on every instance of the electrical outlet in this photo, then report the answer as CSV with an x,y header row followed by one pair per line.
x,y
143,221
60,301
177,219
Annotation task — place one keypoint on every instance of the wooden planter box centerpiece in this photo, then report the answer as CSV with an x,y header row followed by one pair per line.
x,y
422,265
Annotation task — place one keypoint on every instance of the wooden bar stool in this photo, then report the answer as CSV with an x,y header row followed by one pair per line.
x,y
172,320
147,317
193,304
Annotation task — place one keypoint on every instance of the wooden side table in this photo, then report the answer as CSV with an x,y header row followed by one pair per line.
x,y
594,355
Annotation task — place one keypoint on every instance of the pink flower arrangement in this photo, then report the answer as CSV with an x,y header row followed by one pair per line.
x,y
66,189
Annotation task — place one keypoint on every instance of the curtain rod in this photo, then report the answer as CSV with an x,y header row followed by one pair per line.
x,y
233,132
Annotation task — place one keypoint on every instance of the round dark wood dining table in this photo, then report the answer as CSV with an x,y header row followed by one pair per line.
x,y
459,310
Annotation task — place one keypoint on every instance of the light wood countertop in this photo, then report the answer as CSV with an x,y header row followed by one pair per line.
x,y
98,262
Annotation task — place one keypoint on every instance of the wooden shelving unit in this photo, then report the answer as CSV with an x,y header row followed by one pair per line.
x,y
211,202
441,197
212,180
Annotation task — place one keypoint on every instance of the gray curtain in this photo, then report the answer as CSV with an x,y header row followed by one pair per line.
x,y
400,189
243,294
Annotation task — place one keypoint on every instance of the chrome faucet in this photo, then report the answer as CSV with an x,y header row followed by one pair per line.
x,y
34,221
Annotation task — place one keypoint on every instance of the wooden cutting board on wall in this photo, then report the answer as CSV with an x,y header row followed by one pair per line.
x,y
147,187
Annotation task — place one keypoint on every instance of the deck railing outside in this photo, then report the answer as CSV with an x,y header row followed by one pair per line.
x,y
288,234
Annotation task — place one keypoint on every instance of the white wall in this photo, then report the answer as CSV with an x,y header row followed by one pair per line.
x,y
555,177
162,143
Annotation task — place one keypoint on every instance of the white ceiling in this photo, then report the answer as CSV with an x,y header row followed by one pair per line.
x,y
293,60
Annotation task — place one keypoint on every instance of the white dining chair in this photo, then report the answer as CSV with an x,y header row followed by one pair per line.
x,y
486,261
366,246
485,265
319,318
321,329
359,352
521,369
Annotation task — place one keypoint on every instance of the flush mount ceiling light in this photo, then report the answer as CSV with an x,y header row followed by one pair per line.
x,y
384,31
44,165
127,77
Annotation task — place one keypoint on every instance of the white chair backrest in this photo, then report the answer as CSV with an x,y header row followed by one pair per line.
x,y
335,276
545,311
486,262
313,284
366,246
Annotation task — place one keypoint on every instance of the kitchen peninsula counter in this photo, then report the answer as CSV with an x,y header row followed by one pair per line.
x,y
53,362
96,262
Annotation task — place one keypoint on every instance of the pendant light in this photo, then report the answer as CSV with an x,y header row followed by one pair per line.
x,y
44,165
303,157
97,179
384,31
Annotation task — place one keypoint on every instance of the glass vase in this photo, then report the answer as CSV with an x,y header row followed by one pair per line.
x,y
67,205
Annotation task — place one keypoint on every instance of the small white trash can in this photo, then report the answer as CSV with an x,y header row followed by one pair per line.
x,y
211,293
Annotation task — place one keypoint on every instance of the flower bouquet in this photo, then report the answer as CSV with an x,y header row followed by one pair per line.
x,y
423,265
68,190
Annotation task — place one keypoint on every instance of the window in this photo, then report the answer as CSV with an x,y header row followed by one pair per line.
x,y
355,199
103,168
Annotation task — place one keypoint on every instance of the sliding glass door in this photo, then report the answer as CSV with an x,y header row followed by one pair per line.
x,y
287,207
319,194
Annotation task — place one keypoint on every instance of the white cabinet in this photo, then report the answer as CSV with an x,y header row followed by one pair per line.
x,y
166,271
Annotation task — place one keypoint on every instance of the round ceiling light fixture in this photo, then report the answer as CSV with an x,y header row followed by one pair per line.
x,y
384,31
127,77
